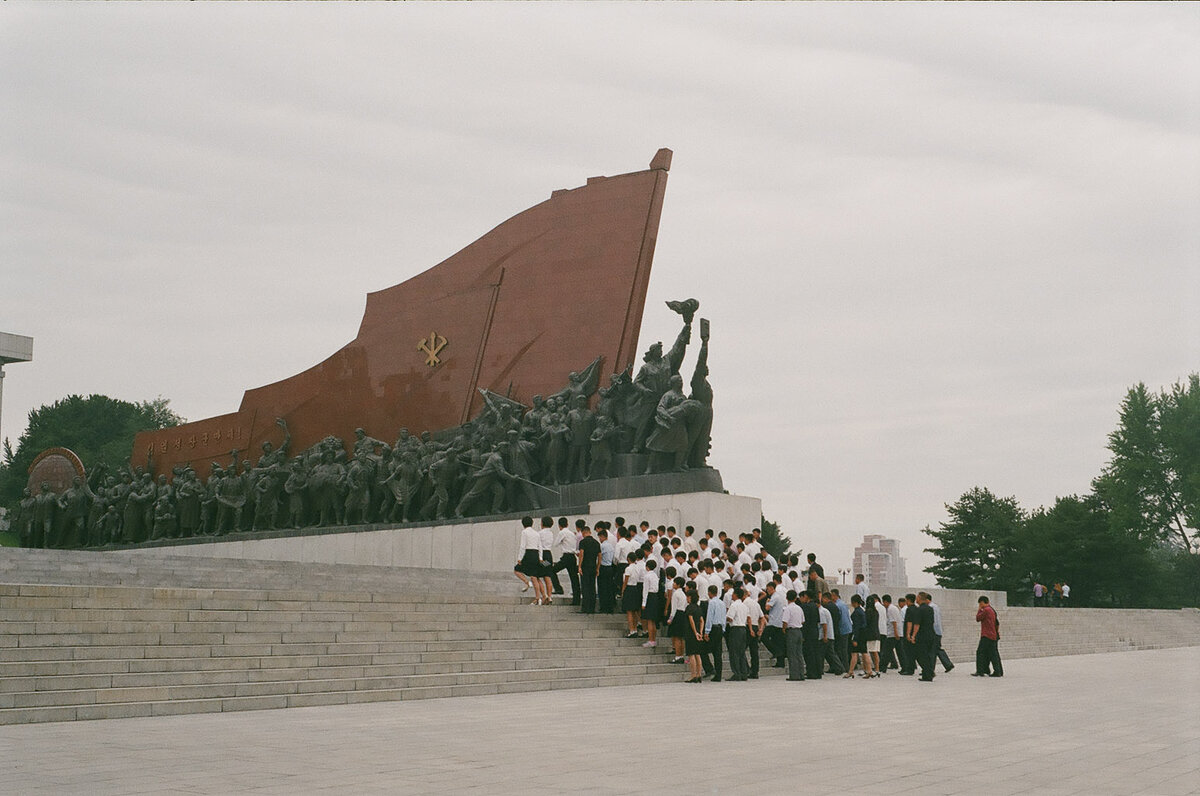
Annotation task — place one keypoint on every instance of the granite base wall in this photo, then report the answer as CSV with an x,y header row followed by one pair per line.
x,y
483,546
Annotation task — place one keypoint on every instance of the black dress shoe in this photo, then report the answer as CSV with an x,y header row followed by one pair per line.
x,y
715,680
978,674
995,675
926,679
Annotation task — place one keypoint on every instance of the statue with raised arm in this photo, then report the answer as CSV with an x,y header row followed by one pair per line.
x,y
583,382
702,393
653,379
276,457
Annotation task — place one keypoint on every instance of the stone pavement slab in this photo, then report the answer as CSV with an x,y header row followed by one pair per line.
x,y
1116,723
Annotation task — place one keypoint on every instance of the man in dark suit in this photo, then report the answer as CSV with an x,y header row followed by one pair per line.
x,y
908,652
811,634
920,622
589,568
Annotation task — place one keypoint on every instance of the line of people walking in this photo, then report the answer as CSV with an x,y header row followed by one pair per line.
x,y
714,595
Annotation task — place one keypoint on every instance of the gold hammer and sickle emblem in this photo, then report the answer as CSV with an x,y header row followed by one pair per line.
x,y
432,347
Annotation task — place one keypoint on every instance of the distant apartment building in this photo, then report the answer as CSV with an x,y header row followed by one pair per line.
x,y
878,560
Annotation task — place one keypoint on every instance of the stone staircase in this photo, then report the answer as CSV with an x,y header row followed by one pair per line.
x,y
87,634
93,635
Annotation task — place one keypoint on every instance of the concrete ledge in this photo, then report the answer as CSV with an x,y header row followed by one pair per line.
x,y
464,545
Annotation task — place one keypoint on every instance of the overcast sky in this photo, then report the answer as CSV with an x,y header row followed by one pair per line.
x,y
937,242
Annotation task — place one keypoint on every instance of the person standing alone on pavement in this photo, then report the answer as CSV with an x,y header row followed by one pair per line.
x,y
987,654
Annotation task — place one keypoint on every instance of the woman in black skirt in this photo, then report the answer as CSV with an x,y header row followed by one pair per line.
x,y
677,617
631,592
693,641
651,607
529,566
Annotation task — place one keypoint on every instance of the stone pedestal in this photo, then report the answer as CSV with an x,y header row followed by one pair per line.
x,y
467,545
703,479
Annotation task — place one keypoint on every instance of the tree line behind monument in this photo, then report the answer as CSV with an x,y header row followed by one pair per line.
x,y
1133,541
508,458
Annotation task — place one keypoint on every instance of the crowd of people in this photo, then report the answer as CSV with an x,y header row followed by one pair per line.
x,y
713,595
1057,595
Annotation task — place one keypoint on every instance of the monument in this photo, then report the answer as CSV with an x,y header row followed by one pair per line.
x,y
494,316
501,381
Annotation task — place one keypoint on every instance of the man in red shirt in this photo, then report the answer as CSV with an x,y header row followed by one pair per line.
x,y
987,654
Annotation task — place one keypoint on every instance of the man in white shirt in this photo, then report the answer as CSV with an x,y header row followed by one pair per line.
x,y
823,640
892,636
753,547
737,635
566,543
774,638
772,564
690,544
758,621
860,587
793,631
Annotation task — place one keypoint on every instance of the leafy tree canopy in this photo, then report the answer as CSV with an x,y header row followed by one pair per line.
x,y
775,542
977,546
98,428
1076,542
1152,483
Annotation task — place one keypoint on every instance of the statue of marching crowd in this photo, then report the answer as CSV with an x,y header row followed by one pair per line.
x,y
506,459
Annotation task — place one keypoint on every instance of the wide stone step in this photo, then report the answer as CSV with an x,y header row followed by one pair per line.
x,y
45,681
100,694
46,675
217,705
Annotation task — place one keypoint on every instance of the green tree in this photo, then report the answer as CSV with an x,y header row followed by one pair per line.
x,y
775,542
1076,542
98,428
977,547
1152,483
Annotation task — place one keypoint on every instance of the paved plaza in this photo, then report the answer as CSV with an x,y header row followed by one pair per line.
x,y
1116,723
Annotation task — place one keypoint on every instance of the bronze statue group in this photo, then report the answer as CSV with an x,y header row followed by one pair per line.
x,y
509,458
714,596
